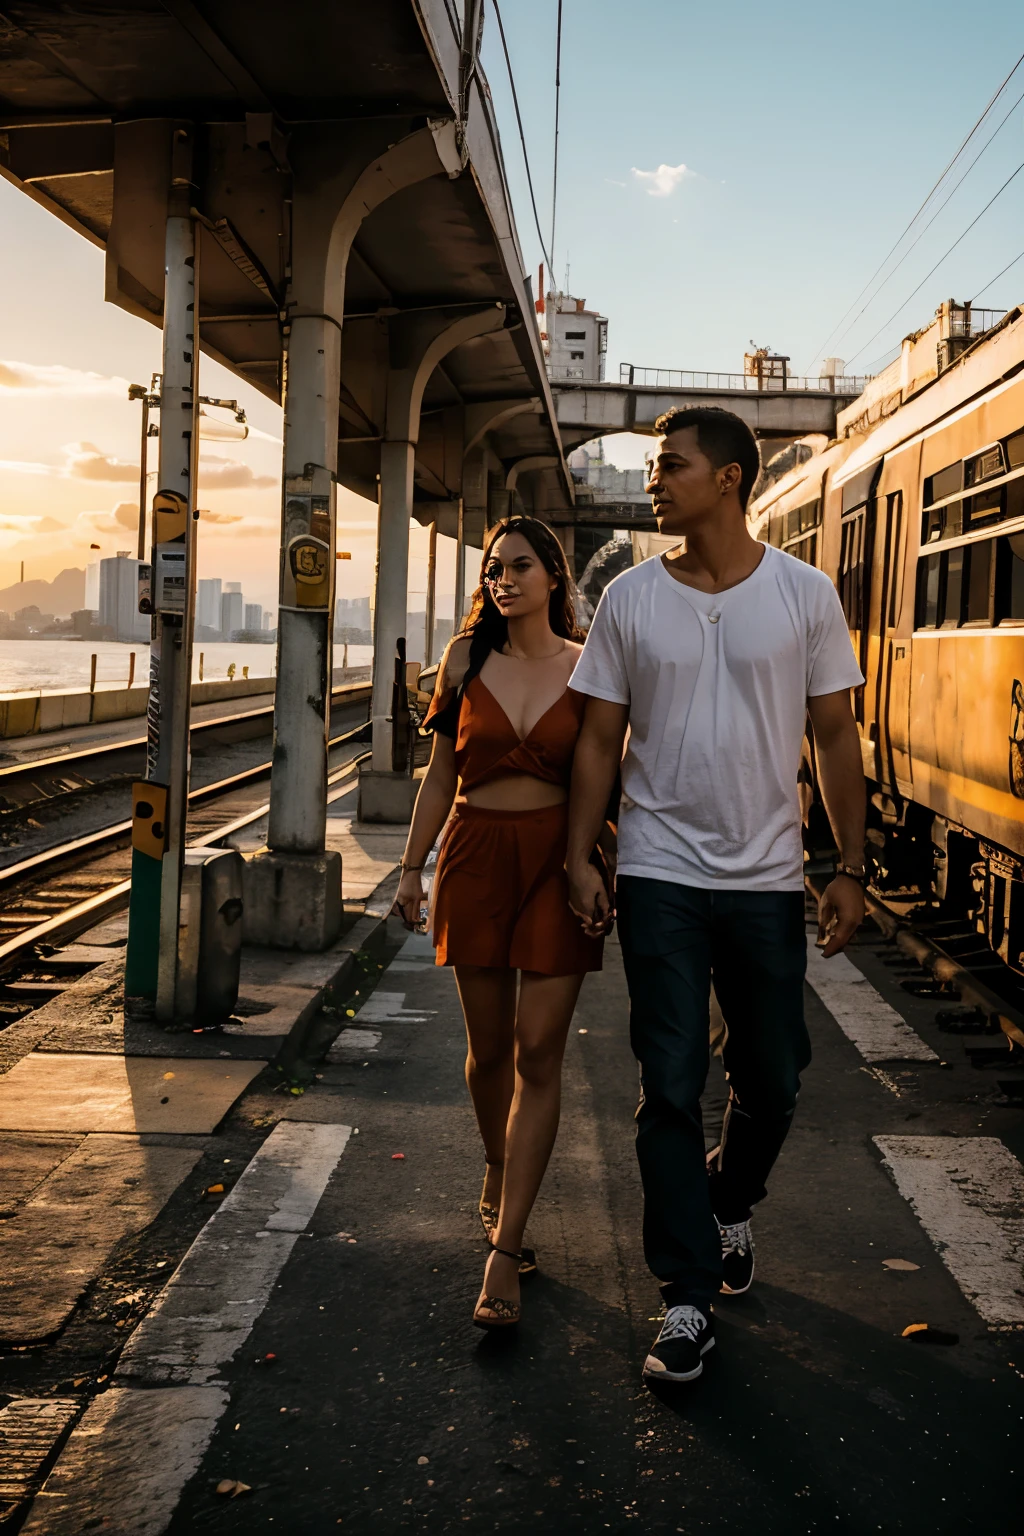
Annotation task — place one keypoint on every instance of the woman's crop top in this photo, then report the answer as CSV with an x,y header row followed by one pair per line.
x,y
487,746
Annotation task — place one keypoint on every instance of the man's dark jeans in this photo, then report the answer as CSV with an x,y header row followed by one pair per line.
x,y
754,942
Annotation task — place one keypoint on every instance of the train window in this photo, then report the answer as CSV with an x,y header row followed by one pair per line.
x,y
805,550
929,574
1015,450
776,530
985,467
978,608
1009,603
986,507
933,525
810,515
954,585
946,482
851,569
792,524
857,490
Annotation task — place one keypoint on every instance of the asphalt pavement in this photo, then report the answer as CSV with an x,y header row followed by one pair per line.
x,y
352,1392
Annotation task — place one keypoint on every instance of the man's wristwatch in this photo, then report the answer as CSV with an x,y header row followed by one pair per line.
x,y
856,872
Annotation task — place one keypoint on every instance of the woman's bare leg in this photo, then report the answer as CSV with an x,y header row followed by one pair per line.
x,y
545,1011
488,997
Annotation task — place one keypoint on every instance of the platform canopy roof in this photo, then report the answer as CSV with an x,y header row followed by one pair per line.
x,y
286,99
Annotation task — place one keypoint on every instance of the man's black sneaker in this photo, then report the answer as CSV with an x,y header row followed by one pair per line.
x,y
677,1353
737,1257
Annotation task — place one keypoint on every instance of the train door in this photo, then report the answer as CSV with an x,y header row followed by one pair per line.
x,y
856,558
890,669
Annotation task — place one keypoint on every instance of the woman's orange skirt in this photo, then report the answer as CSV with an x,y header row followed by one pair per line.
x,y
501,896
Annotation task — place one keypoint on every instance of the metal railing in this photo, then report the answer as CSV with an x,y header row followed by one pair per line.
x,y
674,378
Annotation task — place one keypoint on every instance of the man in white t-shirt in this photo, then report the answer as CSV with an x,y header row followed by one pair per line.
x,y
713,656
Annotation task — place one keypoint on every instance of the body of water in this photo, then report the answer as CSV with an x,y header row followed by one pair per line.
x,y
57,666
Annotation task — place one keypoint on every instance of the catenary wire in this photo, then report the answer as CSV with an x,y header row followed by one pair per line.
x,y
941,259
558,94
988,285
522,135
935,187
915,243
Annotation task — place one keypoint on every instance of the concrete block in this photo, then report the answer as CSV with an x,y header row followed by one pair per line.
x,y
292,900
387,797
51,712
76,709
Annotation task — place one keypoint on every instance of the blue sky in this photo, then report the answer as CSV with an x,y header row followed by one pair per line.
x,y
813,131
810,134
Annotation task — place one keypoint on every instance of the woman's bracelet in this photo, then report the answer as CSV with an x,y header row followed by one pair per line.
x,y
406,868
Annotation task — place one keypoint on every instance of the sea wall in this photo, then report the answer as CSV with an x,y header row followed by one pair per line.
x,y
26,714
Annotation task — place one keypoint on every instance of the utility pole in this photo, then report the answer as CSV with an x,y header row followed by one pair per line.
x,y
160,804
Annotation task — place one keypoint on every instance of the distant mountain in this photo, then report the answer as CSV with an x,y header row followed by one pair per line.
x,y
61,596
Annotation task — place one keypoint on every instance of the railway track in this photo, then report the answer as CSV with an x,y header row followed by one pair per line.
x,y
53,779
977,995
51,897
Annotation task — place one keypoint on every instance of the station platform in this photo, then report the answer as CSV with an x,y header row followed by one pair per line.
x,y
283,1300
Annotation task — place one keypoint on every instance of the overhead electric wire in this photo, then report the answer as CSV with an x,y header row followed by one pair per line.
x,y
941,259
988,285
935,187
914,244
558,93
522,135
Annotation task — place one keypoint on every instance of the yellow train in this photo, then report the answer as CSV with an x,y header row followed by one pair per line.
x,y
916,511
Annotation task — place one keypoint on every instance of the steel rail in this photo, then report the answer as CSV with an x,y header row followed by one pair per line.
x,y
93,909
930,955
94,841
14,773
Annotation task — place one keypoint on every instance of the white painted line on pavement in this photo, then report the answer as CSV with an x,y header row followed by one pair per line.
x,y
876,1029
135,1449
389,1008
351,1042
968,1194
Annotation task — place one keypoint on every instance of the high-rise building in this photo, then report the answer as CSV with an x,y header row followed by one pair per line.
x,y
352,623
254,616
232,586
119,598
208,594
232,610
575,339
92,586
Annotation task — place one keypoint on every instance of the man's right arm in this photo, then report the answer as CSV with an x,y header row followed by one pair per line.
x,y
595,764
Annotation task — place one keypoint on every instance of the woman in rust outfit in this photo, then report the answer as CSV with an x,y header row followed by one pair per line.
x,y
505,727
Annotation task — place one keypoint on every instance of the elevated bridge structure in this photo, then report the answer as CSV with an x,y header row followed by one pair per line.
x,y
314,195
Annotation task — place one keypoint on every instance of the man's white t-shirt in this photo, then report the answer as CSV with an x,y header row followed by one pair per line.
x,y
717,686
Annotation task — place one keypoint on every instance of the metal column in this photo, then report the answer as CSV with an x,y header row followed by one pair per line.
x,y
428,644
460,568
396,491
152,959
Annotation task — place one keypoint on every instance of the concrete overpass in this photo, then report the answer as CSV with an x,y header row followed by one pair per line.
x,y
314,194
586,411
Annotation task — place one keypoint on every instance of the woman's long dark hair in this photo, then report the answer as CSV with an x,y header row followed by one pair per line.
x,y
487,626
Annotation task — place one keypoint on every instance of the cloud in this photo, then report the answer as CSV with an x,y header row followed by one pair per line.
x,y
219,517
55,379
663,181
25,467
29,525
613,183
125,515
84,461
220,474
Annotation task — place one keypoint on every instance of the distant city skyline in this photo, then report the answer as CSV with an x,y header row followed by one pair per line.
x,y
720,182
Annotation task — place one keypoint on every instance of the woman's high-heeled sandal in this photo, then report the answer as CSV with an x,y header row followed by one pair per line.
x,y
506,1313
488,1219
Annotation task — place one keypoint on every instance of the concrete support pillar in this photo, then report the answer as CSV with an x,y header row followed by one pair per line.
x,y
460,569
428,643
396,488
417,342
293,892
298,785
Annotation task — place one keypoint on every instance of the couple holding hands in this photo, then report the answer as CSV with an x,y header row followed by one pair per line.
x,y
711,657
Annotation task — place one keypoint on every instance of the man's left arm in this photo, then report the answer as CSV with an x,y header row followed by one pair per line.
x,y
841,776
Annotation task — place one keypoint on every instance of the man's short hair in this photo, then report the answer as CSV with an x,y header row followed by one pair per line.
x,y
722,437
